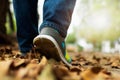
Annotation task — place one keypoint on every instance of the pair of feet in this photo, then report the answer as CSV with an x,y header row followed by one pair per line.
x,y
52,45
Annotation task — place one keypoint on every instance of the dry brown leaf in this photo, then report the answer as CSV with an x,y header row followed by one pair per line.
x,y
47,73
60,72
115,64
104,62
34,61
4,68
42,63
90,74
96,58
21,63
22,73
72,76
76,69
104,74
76,63
33,70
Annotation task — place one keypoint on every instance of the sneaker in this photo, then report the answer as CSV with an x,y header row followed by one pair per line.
x,y
52,45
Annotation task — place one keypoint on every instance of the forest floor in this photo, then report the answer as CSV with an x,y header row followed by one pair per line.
x,y
86,66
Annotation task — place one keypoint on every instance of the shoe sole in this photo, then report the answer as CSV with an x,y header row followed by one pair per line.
x,y
48,47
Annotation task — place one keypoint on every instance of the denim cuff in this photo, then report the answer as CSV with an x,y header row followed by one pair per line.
x,y
55,26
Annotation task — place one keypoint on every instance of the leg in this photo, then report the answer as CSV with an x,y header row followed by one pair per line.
x,y
57,15
27,22
56,20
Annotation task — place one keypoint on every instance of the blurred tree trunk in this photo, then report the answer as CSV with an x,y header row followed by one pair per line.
x,y
4,5
4,9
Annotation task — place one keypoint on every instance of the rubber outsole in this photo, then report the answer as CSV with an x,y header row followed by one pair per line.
x,y
48,47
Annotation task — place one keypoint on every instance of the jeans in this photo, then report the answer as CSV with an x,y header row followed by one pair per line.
x,y
56,14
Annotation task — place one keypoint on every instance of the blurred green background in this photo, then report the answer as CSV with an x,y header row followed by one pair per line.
x,y
96,21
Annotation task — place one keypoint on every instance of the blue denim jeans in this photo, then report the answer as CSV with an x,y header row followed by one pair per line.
x,y
56,14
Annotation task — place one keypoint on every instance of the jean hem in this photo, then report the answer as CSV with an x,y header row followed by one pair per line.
x,y
54,26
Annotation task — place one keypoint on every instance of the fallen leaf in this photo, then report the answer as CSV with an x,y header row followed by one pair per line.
x,y
75,69
60,72
21,63
90,74
33,70
22,73
47,73
4,68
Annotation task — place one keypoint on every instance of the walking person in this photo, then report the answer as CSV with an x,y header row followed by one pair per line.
x,y
50,36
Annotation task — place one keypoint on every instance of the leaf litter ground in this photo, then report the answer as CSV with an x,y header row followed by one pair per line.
x,y
86,66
